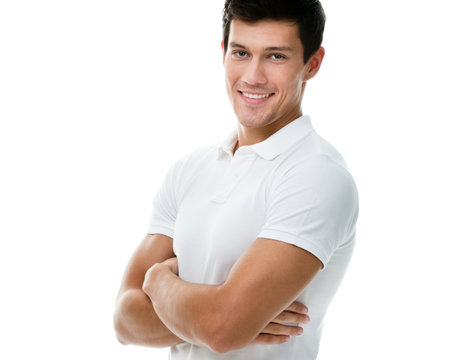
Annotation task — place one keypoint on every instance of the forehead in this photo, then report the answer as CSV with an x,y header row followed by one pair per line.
x,y
265,34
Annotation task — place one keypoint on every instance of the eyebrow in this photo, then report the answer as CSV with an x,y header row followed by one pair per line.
x,y
270,48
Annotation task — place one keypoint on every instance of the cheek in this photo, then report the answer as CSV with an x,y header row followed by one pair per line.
x,y
231,73
229,82
298,82
291,84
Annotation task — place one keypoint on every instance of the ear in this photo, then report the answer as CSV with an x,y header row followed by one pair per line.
x,y
223,52
314,63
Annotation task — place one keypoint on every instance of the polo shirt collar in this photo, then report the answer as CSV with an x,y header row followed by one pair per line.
x,y
275,144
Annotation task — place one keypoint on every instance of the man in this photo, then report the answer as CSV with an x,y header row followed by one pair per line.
x,y
263,225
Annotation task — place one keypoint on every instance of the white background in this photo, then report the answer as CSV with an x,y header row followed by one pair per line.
x,y
98,98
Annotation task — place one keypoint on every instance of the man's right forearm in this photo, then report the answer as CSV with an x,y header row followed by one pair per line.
x,y
136,322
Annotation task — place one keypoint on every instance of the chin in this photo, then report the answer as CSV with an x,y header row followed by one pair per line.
x,y
252,124
254,121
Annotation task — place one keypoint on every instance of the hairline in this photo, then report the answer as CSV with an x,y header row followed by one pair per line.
x,y
290,21
268,48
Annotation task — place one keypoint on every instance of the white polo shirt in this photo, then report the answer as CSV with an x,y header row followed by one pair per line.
x,y
293,187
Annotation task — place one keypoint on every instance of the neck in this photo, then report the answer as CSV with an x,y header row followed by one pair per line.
x,y
250,136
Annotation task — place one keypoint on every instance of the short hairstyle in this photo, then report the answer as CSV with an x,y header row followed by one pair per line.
x,y
307,14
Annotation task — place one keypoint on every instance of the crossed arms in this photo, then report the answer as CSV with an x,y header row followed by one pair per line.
x,y
156,308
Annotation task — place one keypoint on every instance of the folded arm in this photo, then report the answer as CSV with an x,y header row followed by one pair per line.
x,y
265,280
137,323
135,320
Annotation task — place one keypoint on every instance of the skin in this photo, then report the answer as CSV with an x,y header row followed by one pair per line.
x,y
135,320
266,57
268,277
157,308
137,323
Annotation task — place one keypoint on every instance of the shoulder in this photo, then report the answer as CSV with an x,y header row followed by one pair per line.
x,y
191,161
314,162
182,171
317,177
317,173
313,195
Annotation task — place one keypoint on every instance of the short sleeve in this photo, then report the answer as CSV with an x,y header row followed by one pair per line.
x,y
313,205
165,208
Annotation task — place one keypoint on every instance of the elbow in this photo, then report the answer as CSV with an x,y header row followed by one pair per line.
x,y
123,317
223,343
228,327
120,339
135,324
120,332
227,336
219,344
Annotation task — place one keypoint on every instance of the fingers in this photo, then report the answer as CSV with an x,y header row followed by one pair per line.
x,y
286,317
297,307
279,329
270,339
277,334
295,313
172,264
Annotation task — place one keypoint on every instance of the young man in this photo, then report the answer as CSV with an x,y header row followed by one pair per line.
x,y
263,225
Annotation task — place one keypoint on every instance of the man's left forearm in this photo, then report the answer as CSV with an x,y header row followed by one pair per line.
x,y
187,309
264,281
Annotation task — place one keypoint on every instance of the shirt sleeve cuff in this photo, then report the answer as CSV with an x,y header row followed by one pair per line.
x,y
292,239
157,229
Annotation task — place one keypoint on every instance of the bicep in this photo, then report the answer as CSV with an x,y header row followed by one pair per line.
x,y
154,248
266,279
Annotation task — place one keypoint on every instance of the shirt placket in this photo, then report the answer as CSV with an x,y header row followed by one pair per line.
x,y
236,170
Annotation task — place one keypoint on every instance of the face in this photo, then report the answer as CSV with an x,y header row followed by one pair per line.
x,y
265,73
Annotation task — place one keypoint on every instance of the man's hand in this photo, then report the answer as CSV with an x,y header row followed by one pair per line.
x,y
279,330
172,263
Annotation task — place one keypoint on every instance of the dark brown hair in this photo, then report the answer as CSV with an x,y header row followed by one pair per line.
x,y
307,14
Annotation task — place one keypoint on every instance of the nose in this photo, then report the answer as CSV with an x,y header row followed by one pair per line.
x,y
254,73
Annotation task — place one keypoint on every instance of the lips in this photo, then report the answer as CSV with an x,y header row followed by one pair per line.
x,y
255,98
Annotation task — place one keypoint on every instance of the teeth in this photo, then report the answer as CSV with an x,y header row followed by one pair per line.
x,y
256,96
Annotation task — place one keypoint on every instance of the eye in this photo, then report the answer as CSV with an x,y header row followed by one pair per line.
x,y
239,53
277,57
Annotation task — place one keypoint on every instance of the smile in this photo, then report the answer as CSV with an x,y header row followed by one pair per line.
x,y
256,96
